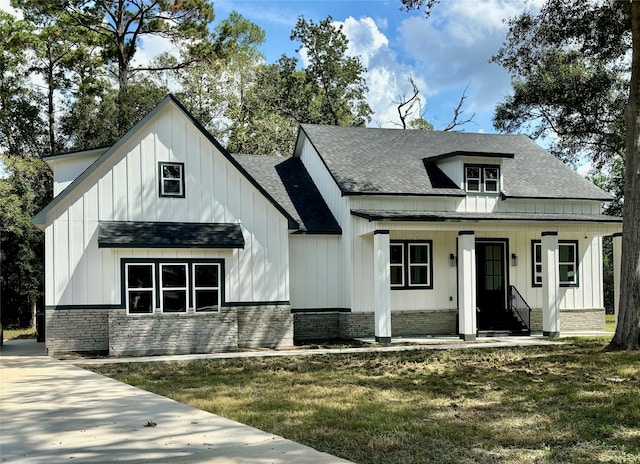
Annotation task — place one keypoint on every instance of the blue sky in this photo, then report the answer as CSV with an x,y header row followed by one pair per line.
x,y
444,54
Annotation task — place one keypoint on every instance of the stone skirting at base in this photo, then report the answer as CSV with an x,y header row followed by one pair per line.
x,y
76,330
114,332
573,319
332,324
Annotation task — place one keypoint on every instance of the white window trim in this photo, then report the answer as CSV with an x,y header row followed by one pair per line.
x,y
575,263
426,265
180,180
482,180
195,289
141,289
162,288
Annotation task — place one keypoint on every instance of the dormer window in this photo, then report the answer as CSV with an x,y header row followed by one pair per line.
x,y
171,179
482,179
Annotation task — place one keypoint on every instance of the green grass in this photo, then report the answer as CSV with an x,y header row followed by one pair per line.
x,y
10,334
555,404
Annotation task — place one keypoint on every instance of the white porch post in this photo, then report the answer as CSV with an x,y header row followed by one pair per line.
x,y
550,285
467,324
382,285
617,263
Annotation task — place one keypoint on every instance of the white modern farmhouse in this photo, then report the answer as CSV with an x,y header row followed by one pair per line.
x,y
166,243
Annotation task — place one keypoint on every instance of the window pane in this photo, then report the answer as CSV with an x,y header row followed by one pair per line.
x,y
206,300
140,302
174,276
205,275
171,171
473,185
491,186
419,275
418,254
538,251
473,173
140,276
174,301
396,254
396,275
567,253
538,276
172,187
491,173
567,274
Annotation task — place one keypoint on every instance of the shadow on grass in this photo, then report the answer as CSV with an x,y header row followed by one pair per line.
x,y
570,403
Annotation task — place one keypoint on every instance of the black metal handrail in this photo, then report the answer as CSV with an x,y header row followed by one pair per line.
x,y
519,307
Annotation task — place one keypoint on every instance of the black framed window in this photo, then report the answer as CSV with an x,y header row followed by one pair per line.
x,y
141,288
482,179
206,287
410,263
567,263
172,285
171,179
173,288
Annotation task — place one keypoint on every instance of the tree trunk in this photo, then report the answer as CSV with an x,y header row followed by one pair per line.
x,y
627,334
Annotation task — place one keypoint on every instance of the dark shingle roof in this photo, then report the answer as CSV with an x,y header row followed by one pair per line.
x,y
392,162
289,183
129,234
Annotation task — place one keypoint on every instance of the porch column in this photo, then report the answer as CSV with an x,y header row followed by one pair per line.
x,y
382,285
467,324
550,285
617,264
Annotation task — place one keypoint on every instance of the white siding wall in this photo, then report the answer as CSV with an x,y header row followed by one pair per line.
x,y
125,188
66,170
317,274
341,209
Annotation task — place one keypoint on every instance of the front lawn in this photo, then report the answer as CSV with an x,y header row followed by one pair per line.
x,y
554,404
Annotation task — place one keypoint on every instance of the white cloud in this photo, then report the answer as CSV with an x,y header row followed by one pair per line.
x,y
5,5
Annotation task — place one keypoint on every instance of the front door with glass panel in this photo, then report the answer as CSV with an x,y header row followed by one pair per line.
x,y
491,288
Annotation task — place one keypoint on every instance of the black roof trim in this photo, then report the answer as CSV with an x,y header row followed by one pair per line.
x,y
453,216
478,154
128,234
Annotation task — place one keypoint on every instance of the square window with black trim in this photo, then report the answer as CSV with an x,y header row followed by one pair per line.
x,y
567,263
482,179
171,179
410,265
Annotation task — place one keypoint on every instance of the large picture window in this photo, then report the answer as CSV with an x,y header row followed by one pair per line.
x,y
172,286
410,263
567,263
482,179
171,179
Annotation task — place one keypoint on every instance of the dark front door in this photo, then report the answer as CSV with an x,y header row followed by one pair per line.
x,y
491,284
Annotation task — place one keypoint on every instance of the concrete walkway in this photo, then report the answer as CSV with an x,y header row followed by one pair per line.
x,y
52,410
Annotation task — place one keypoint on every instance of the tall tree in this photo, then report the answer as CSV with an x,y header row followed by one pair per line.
x,y
20,126
583,48
60,50
627,334
338,76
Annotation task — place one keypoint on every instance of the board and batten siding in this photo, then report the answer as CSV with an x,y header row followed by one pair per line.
x,y
65,170
587,295
125,188
317,274
341,209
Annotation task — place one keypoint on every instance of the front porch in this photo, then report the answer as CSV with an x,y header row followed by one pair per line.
x,y
495,279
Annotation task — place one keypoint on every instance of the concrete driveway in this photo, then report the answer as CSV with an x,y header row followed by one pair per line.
x,y
52,412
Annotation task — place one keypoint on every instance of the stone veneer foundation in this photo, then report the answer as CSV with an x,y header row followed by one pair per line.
x,y
114,332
